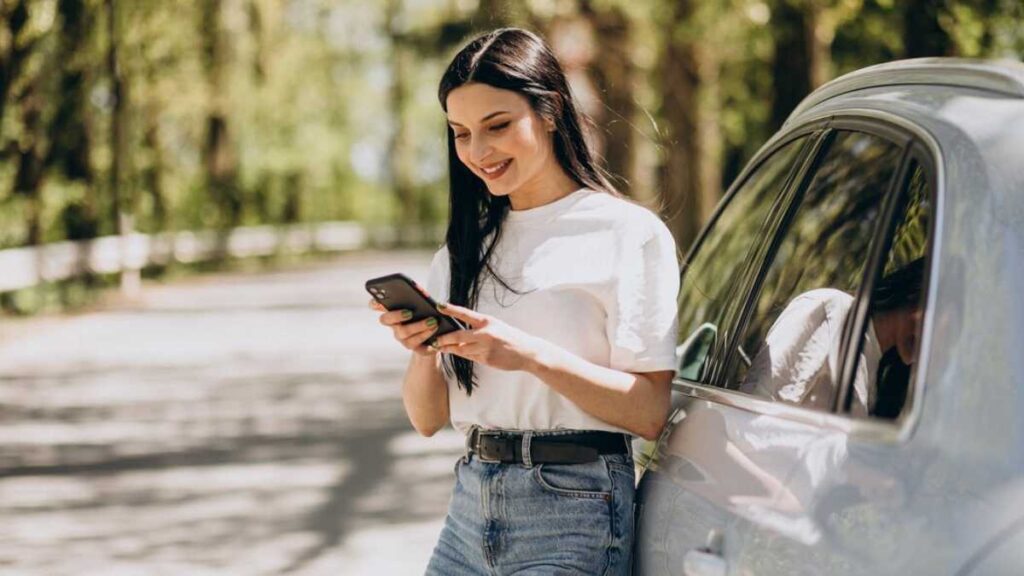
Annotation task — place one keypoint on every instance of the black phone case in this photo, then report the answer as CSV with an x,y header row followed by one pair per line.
x,y
399,292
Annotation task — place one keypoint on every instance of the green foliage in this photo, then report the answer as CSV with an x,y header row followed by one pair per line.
x,y
329,108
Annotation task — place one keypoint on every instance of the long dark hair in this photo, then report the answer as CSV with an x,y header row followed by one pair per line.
x,y
520,61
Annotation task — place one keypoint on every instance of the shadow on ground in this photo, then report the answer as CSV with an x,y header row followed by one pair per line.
x,y
260,441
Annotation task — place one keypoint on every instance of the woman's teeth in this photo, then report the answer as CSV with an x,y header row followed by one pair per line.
x,y
496,168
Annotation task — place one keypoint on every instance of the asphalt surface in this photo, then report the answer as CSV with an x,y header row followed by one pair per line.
x,y
225,424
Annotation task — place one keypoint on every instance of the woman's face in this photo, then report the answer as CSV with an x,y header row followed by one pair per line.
x,y
908,327
500,138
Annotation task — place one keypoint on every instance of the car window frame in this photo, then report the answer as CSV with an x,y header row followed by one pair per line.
x,y
856,323
918,144
813,134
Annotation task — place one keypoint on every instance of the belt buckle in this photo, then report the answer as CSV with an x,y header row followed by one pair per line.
x,y
496,456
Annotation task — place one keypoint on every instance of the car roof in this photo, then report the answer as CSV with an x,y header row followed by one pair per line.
x,y
1000,77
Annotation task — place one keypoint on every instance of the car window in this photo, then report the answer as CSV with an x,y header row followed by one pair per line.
x,y
790,347
896,305
709,281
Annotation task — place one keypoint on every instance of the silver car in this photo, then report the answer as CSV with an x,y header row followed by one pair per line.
x,y
851,383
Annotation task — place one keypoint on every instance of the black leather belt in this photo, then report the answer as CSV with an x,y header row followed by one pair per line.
x,y
574,448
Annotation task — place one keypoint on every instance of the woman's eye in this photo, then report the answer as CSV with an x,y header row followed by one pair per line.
x,y
499,127
463,136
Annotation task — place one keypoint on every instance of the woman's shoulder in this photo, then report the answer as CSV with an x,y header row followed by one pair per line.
x,y
624,213
440,261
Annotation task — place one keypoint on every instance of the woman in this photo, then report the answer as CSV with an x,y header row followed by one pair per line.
x,y
569,295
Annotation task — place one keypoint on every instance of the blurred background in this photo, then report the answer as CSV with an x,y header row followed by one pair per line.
x,y
239,168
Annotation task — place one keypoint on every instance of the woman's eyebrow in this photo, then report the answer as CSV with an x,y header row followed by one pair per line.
x,y
484,119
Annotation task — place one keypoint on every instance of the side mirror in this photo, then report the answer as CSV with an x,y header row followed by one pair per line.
x,y
693,352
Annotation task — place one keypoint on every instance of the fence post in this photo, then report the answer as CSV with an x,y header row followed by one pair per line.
x,y
131,277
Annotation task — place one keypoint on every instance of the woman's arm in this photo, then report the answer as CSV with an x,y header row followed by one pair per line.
x,y
424,390
637,402
425,394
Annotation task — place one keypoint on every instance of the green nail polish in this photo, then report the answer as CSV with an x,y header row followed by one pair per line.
x,y
431,322
406,315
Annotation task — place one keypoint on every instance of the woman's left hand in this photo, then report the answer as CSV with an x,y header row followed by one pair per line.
x,y
487,340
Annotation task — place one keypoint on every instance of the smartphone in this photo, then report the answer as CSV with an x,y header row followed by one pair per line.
x,y
399,292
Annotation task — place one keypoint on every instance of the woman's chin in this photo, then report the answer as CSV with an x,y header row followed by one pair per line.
x,y
497,189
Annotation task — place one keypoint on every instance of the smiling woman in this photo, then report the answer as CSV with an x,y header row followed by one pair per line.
x,y
509,147
568,291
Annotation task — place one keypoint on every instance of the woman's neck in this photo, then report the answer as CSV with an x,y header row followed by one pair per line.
x,y
544,189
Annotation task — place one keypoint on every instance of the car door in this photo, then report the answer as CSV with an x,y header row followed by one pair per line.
x,y
680,498
720,476
858,500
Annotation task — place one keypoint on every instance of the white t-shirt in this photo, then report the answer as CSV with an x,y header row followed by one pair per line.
x,y
597,276
799,361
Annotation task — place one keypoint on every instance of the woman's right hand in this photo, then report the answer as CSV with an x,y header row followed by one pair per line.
x,y
412,336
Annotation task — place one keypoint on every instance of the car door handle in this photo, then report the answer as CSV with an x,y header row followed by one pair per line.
x,y
706,561
700,562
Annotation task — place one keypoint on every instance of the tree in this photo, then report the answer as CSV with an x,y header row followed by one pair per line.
x,y
615,75
792,63
691,141
219,157
923,34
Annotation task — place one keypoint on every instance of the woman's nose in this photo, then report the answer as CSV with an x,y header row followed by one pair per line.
x,y
479,150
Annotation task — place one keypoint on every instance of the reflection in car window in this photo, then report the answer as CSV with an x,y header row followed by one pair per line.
x,y
790,348
897,299
714,270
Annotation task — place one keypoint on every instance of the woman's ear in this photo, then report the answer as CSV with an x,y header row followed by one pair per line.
x,y
549,124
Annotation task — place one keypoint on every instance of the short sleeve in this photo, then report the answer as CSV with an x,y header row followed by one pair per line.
x,y
798,362
438,277
642,322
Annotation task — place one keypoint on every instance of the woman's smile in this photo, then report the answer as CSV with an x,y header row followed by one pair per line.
x,y
495,171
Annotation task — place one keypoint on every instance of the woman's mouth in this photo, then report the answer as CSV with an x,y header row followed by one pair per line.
x,y
495,171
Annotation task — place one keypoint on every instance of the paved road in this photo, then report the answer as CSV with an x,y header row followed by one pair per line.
x,y
235,424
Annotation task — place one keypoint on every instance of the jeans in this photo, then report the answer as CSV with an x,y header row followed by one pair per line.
x,y
539,519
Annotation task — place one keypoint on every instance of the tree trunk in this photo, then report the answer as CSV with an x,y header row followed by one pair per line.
x,y
712,141
615,75
400,152
152,174
12,57
70,138
28,178
259,35
922,33
681,141
690,175
219,157
121,205
120,156
792,65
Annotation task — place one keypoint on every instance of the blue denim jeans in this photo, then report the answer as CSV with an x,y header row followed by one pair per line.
x,y
539,519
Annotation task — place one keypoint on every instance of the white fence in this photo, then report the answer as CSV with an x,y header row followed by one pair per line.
x,y
29,266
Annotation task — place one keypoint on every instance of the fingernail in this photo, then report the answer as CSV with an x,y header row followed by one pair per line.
x,y
441,305
406,315
431,322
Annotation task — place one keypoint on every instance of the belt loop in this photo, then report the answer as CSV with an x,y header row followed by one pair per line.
x,y
527,457
469,443
629,446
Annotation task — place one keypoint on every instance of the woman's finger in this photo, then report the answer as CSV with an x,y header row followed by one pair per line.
x,y
406,332
374,305
467,351
457,337
419,339
472,317
395,317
